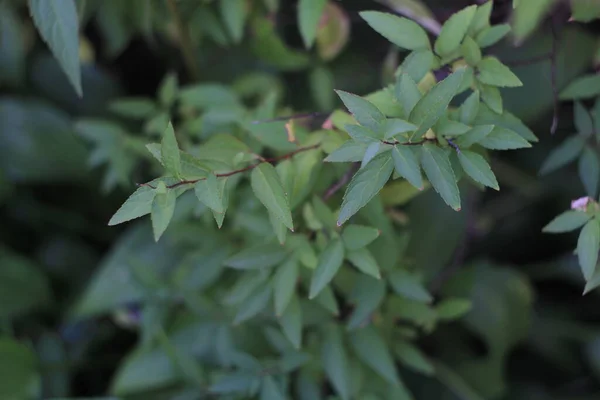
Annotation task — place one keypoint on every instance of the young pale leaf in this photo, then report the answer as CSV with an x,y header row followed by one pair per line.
x,y
58,25
417,64
137,205
234,13
453,31
411,356
470,51
439,172
365,112
477,168
364,261
365,184
350,151
335,362
451,309
169,151
588,246
330,262
403,32
407,165
407,285
257,257
309,15
435,102
407,93
361,134
469,108
582,88
357,236
567,221
163,207
562,155
583,119
284,284
492,35
503,139
268,189
253,305
491,96
491,71
589,171
210,193
370,348
370,153
291,322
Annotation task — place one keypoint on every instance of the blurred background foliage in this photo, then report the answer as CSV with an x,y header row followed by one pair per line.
x,y
78,299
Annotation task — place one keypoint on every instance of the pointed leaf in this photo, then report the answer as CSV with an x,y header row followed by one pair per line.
x,y
137,205
469,108
407,93
335,362
269,390
291,322
234,14
504,139
435,102
491,71
357,236
284,284
370,348
309,15
396,126
583,119
439,172
475,135
330,262
364,261
481,19
367,295
470,51
365,112
491,96
361,134
370,153
210,193
257,257
350,151
492,35
407,285
417,64
454,30
407,165
477,168
170,152
451,309
401,31
365,184
589,171
253,305
268,189
588,246
562,155
410,355
567,221
58,25
163,208
582,88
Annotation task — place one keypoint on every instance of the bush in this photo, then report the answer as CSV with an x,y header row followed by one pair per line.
x,y
312,217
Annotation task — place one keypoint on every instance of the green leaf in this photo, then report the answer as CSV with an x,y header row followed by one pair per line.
x,y
588,246
585,10
365,112
167,91
567,221
370,153
491,71
582,88
335,362
412,357
309,15
58,25
170,152
364,261
210,193
365,184
583,119
361,134
268,189
234,13
330,262
407,165
163,207
133,107
453,31
453,308
370,348
417,64
481,19
593,283
257,257
18,369
433,105
350,151
367,295
469,108
137,205
589,171
437,167
407,93
269,390
562,155
491,96
470,51
252,306
407,285
291,322
527,16
401,31
396,126
503,139
492,35
284,284
357,236
477,168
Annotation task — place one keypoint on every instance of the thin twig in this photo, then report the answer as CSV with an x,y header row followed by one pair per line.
x,y
241,170
333,189
185,41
